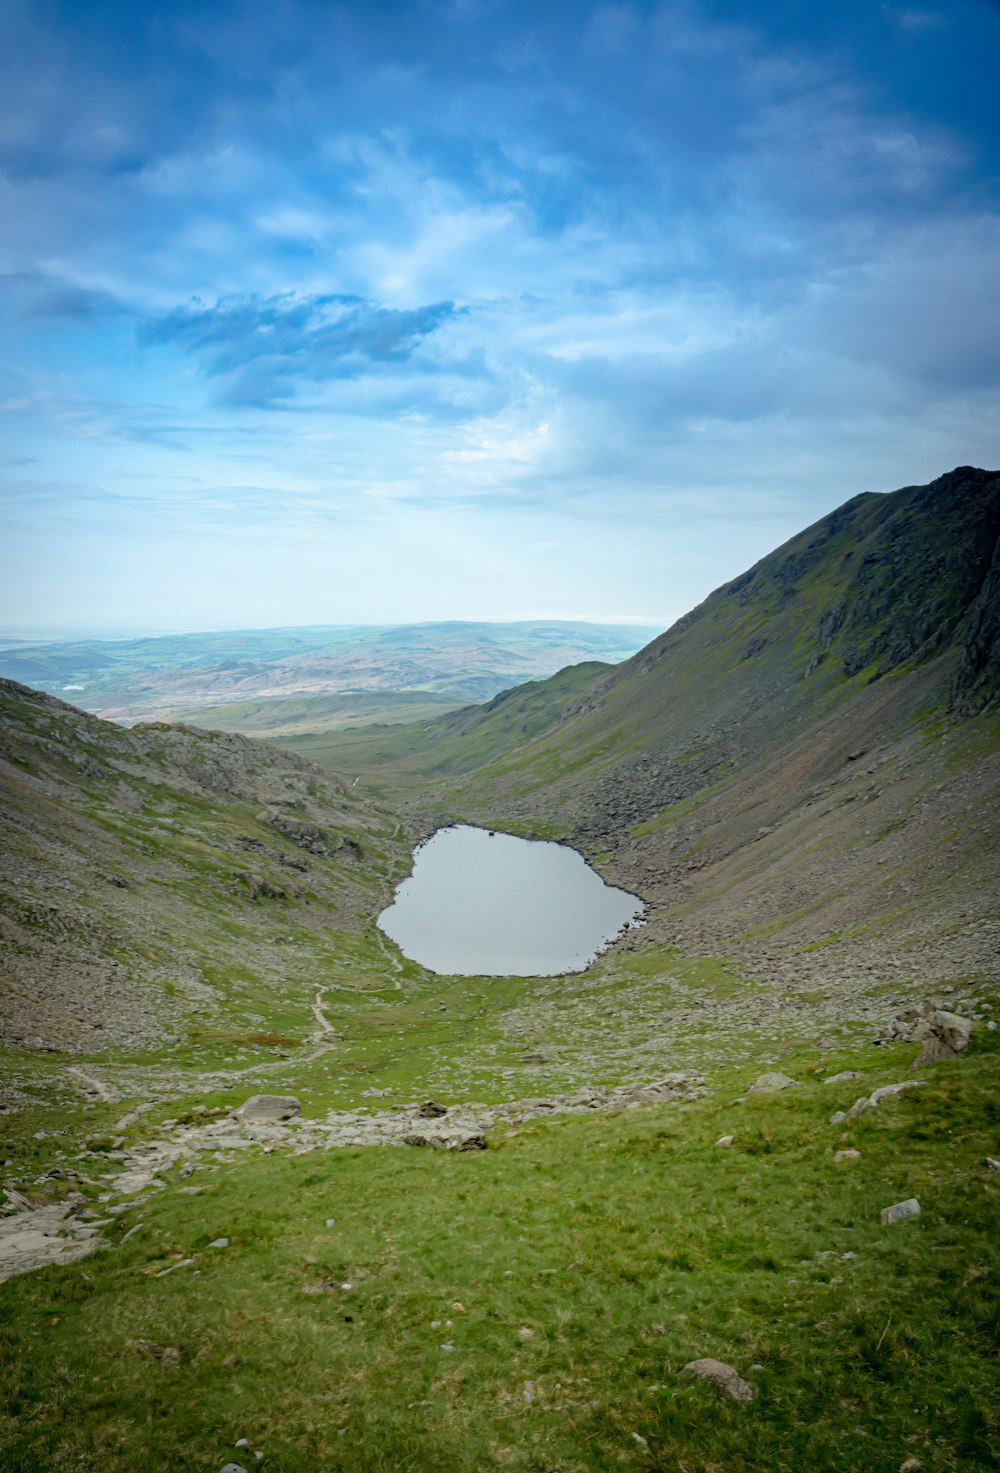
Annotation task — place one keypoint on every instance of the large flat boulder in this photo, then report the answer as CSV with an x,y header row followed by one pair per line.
x,y
268,1107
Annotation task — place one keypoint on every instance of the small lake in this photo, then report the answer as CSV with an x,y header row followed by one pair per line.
x,y
488,904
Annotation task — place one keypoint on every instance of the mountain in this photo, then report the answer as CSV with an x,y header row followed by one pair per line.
x,y
806,763
157,876
175,676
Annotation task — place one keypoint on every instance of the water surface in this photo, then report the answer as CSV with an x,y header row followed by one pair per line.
x,y
489,904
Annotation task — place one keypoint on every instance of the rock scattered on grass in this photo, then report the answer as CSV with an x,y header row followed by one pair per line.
x,y
725,1140
724,1379
219,1243
899,1212
865,1103
769,1083
848,1154
944,1034
268,1107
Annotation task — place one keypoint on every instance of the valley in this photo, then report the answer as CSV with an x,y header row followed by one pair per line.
x,y
345,670
500,1215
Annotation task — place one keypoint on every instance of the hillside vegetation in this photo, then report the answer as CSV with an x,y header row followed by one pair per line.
x,y
155,879
762,770
501,1215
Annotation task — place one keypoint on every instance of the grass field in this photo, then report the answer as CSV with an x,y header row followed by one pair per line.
x,y
531,1306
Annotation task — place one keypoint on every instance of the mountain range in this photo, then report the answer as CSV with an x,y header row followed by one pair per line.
x,y
175,676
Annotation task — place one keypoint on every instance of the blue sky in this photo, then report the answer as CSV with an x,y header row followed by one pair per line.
x,y
477,308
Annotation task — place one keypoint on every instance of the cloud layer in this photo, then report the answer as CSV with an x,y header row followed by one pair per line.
x,y
513,308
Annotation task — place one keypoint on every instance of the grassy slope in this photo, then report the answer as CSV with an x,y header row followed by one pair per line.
x,y
531,1306
309,715
147,888
880,584
625,1245
754,764
405,762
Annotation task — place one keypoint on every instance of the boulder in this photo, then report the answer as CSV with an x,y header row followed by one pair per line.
x,y
430,1110
268,1107
899,1212
769,1083
944,1036
724,1379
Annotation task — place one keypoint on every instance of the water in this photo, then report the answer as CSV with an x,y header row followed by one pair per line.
x,y
489,904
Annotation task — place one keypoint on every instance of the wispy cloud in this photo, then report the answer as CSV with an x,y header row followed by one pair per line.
x,y
611,285
264,346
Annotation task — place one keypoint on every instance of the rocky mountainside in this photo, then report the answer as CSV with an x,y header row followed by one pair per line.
x,y
152,876
807,760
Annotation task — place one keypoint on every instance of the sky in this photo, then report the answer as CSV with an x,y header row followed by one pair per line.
x,y
377,312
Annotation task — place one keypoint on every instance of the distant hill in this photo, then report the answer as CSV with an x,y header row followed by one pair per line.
x,y
143,679
284,716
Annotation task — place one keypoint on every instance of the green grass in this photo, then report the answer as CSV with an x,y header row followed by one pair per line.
x,y
581,1263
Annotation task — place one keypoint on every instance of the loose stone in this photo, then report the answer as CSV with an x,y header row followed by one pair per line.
x,y
769,1083
724,1379
899,1212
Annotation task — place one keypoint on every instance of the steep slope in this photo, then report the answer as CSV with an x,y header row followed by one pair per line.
x,y
164,874
811,751
463,741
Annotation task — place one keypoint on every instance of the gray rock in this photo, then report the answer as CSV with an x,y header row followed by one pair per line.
x,y
838,1117
888,1090
768,1084
472,1143
219,1243
233,1468
993,1165
945,1036
724,1379
842,1077
430,1110
725,1140
859,1107
268,1107
847,1155
899,1212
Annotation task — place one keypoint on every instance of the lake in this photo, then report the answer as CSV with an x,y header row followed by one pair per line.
x,y
480,903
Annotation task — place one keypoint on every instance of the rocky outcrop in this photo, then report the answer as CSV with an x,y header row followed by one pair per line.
x,y
943,1033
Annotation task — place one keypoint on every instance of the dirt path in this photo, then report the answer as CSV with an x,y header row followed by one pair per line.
x,y
105,1092
393,962
324,1028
